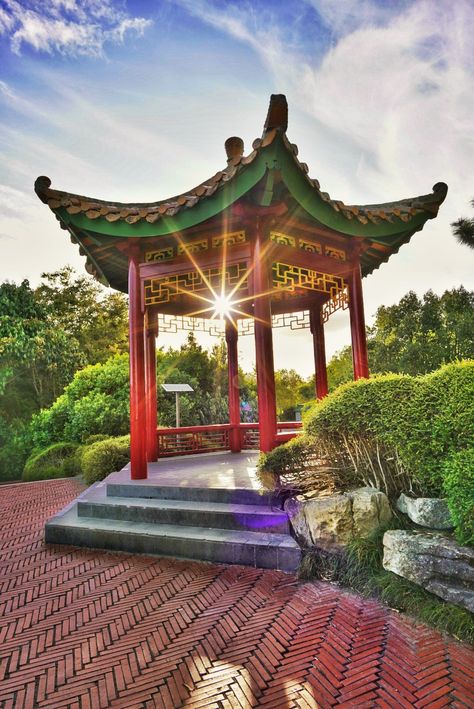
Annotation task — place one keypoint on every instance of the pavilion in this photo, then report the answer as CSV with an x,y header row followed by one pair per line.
x,y
258,243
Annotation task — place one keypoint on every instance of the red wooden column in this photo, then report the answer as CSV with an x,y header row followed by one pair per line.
x,y
231,337
137,370
319,348
151,333
360,359
264,348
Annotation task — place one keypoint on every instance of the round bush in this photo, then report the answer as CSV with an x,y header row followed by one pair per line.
x,y
458,472
56,461
396,431
105,457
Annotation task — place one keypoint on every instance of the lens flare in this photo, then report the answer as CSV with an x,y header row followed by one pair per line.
x,y
223,306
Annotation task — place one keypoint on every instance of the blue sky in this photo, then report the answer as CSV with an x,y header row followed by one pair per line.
x,y
134,100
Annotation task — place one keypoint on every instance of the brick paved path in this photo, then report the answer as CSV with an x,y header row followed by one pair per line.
x,y
88,629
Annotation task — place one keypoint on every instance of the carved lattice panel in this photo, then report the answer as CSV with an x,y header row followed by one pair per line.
x,y
295,278
165,288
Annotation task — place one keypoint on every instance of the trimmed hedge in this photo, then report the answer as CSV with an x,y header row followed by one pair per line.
x,y
458,473
60,460
394,432
105,457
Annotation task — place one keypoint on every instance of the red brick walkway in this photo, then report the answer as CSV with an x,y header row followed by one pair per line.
x,y
88,629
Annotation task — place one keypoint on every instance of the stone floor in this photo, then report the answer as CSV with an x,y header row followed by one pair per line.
x,y
87,629
226,470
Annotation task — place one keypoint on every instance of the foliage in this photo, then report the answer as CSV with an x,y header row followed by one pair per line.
x,y
36,358
95,402
358,428
463,230
297,465
104,457
81,308
359,567
441,413
416,336
15,446
56,461
340,368
458,474
393,432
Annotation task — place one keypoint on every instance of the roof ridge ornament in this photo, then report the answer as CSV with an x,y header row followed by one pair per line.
x,y
234,147
277,116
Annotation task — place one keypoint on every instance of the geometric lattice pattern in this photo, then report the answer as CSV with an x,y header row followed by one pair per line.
x,y
313,247
339,302
295,278
198,246
175,323
294,321
164,288
82,628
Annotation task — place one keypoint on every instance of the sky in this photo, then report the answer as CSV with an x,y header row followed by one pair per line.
x,y
134,100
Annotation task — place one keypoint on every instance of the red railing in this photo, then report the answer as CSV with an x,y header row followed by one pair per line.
x,y
208,439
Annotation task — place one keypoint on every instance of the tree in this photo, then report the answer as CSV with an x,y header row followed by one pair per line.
x,y
417,335
340,368
84,310
463,230
37,359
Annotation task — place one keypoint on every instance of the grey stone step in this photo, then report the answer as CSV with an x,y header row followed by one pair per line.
x,y
218,515
145,489
261,550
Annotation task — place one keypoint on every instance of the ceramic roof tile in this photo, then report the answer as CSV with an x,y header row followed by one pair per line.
x,y
275,125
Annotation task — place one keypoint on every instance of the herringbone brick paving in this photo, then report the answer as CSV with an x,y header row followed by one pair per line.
x,y
89,629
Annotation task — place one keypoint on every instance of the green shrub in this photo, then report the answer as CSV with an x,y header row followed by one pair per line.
x,y
458,472
95,402
15,446
442,423
56,461
395,431
297,465
282,461
104,457
95,438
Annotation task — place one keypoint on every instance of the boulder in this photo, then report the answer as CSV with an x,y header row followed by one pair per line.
x,y
426,511
334,520
434,562
370,509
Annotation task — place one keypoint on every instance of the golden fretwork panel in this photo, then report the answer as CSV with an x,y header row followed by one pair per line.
x,y
339,302
283,239
193,247
311,246
338,254
294,278
165,288
233,237
159,254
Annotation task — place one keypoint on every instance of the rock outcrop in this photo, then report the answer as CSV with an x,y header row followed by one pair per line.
x,y
434,562
336,519
426,511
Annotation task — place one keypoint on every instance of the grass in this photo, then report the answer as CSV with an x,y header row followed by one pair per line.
x,y
359,568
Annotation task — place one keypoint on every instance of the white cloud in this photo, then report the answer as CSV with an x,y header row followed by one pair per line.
x,y
68,27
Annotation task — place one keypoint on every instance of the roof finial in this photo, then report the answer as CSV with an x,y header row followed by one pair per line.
x,y
234,147
277,116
